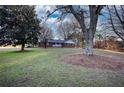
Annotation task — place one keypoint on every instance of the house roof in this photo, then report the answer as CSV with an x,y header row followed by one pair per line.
x,y
61,41
56,41
69,42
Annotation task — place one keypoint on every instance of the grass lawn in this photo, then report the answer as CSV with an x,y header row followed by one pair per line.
x,y
45,67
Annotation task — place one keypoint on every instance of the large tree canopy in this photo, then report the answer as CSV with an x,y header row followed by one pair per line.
x,y
6,22
24,26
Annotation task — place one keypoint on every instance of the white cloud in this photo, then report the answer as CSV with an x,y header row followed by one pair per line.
x,y
41,10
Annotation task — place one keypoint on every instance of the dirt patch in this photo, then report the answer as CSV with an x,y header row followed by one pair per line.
x,y
96,61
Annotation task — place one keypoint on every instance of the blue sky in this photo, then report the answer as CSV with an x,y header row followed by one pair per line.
x,y
55,15
51,22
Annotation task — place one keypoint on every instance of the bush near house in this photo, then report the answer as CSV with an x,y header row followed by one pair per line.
x,y
100,44
109,44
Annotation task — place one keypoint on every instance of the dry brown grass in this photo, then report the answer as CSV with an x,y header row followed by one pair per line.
x,y
96,61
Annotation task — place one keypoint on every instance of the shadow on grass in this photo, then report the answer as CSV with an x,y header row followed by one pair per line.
x,y
19,51
15,52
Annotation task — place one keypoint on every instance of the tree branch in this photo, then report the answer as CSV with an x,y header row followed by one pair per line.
x,y
117,14
114,29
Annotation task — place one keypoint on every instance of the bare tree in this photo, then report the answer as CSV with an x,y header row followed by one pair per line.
x,y
116,14
45,33
64,31
69,29
81,14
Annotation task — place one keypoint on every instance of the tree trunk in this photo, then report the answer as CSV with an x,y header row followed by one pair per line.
x,y
22,47
45,45
89,32
88,50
